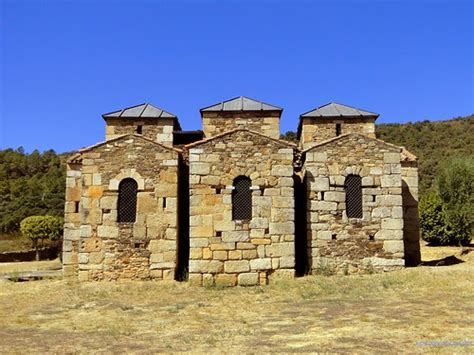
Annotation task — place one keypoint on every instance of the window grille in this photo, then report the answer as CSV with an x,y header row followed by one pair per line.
x,y
353,187
127,200
242,199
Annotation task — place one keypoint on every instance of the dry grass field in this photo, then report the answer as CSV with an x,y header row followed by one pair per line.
x,y
424,309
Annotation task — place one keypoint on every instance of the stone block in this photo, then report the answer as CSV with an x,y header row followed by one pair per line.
x,y
324,235
335,196
381,212
108,232
392,223
319,184
259,223
280,249
287,262
235,236
226,280
250,254
206,266
222,246
386,234
391,158
236,266
235,254
261,264
282,170
382,262
323,206
391,181
261,241
248,279
162,245
201,231
199,168
389,200
282,228
198,242
195,279
282,202
393,246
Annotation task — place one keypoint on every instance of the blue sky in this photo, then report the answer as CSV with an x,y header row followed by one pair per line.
x,y
64,63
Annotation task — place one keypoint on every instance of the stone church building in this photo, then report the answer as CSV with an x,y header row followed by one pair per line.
x,y
234,204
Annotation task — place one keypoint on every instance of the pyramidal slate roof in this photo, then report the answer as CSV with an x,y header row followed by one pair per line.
x,y
337,110
241,103
145,110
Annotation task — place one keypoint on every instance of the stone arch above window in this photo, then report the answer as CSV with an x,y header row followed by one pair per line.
x,y
242,199
127,201
124,174
353,188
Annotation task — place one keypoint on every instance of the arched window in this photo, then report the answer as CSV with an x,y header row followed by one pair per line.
x,y
242,199
353,187
127,200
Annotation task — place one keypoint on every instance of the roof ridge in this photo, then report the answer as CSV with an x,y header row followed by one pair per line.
x,y
239,129
345,135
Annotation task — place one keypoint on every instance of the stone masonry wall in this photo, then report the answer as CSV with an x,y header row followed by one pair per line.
x,y
110,250
228,252
348,244
158,130
72,219
411,234
266,122
317,130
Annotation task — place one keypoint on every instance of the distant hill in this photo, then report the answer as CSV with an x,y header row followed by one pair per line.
x,y
433,142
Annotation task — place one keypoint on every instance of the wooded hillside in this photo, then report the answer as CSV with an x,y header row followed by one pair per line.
x,y
434,143
34,184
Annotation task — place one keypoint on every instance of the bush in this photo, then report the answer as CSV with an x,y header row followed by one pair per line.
x,y
41,227
433,226
456,185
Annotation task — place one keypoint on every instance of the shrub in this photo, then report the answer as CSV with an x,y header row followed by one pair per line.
x,y
433,226
456,185
41,227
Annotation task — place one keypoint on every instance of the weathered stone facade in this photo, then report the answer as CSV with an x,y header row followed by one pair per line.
x,y
317,130
96,246
243,252
185,212
266,122
375,239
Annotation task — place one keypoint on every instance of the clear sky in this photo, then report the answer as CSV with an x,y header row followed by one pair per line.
x,y
64,63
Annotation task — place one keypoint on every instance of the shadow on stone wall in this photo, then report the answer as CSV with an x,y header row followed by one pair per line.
x,y
411,234
301,250
182,266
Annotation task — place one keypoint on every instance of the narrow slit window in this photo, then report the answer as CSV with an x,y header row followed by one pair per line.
x,y
139,129
322,195
353,187
242,199
127,201
164,202
76,207
338,129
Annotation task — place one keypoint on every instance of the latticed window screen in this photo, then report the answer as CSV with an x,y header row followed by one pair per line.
x,y
353,186
242,199
127,200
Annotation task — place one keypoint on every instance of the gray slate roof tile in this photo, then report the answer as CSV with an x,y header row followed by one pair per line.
x,y
337,110
241,103
145,110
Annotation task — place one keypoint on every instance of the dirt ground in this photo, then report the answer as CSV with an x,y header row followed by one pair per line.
x,y
424,309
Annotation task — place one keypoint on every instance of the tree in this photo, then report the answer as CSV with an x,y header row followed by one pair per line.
x,y
456,186
41,227
433,226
